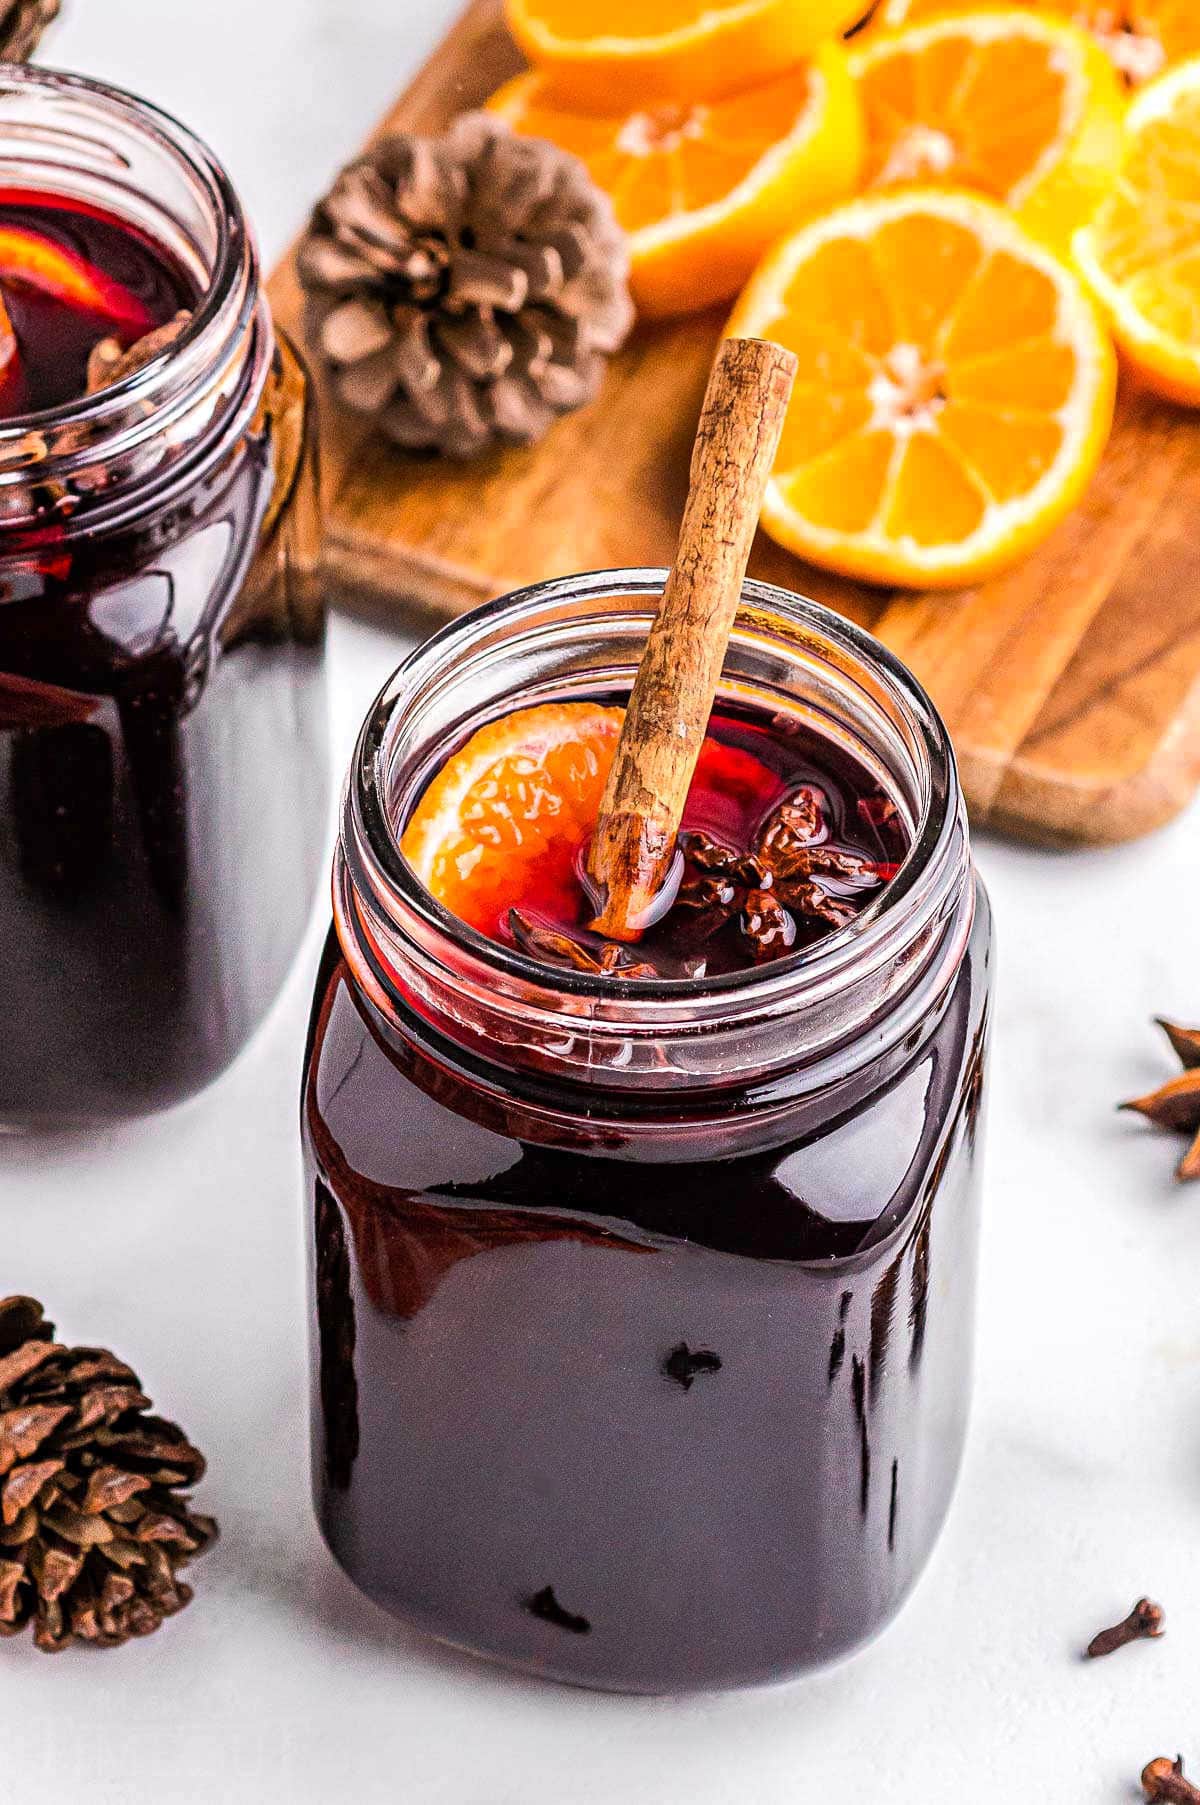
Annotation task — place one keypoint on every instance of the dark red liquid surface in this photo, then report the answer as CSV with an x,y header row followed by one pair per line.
x,y
70,276
643,1390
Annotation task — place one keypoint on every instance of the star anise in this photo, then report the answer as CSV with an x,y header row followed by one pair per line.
x,y
1176,1104
792,871
743,870
554,948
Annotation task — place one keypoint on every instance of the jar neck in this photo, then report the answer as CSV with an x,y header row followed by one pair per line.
x,y
99,459
797,1023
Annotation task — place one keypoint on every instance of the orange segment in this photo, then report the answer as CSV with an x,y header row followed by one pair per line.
x,y
1141,253
633,51
703,187
843,488
506,817
1140,37
973,395
1009,452
1015,104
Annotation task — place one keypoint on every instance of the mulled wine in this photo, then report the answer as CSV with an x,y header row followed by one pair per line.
x,y
642,1280
162,763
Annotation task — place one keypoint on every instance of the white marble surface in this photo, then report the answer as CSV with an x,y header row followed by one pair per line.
x,y
180,1240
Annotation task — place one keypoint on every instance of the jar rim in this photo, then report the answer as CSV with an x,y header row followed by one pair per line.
x,y
369,828
119,424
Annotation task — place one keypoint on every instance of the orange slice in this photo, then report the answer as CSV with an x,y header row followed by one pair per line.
x,y
26,258
632,51
1141,253
504,820
703,188
1140,37
1014,104
955,389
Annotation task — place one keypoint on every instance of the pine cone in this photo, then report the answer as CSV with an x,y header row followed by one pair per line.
x,y
92,1522
465,289
22,23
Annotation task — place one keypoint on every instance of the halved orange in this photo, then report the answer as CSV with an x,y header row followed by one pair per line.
x,y
1141,252
702,188
1140,37
626,52
1014,104
955,389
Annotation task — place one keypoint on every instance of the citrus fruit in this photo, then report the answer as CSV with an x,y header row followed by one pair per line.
x,y
703,188
606,51
506,817
1140,37
955,388
1141,252
1014,104
29,260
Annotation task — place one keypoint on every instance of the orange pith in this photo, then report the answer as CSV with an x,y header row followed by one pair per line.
x,y
1141,251
955,388
703,187
507,816
1015,104
1140,37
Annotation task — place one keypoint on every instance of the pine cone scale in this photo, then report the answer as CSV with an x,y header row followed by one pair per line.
x,y
25,1360
483,281
22,1486
22,1432
22,23
449,253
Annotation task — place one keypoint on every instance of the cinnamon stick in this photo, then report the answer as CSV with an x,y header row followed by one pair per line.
x,y
631,854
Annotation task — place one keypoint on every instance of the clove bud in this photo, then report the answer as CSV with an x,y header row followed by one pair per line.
x,y
1145,1619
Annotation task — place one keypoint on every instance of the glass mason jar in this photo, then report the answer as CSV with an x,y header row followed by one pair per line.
x,y
162,717
642,1311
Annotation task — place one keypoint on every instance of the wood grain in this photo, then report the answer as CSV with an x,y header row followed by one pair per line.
x,y
1071,685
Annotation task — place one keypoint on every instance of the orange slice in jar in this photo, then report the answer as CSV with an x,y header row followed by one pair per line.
x,y
28,258
503,822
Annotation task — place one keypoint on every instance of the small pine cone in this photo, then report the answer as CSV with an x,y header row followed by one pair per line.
x,y
93,1523
22,23
465,289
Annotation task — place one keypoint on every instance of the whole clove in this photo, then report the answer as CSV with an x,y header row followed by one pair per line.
x,y
1145,1620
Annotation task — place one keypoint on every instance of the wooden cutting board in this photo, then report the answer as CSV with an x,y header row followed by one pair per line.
x,y
1071,685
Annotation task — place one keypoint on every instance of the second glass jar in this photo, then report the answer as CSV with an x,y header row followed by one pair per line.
x,y
162,716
